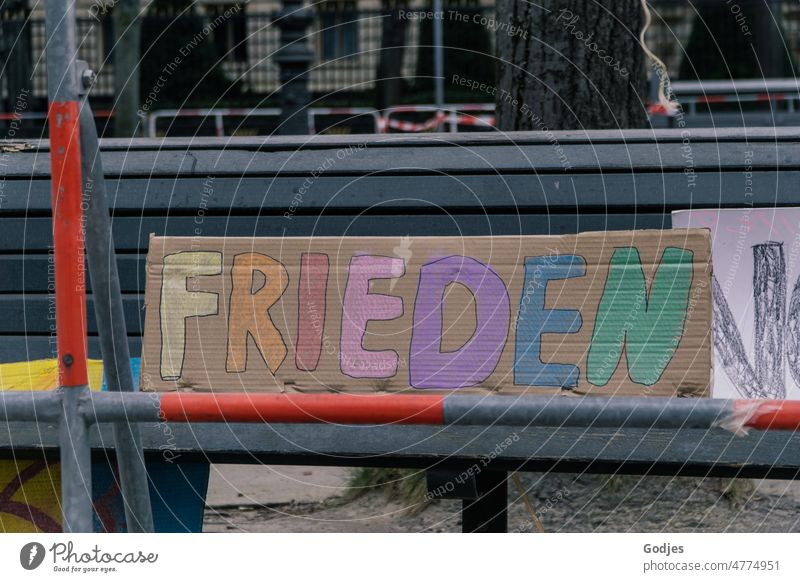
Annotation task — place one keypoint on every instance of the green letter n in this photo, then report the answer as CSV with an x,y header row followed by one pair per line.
x,y
652,326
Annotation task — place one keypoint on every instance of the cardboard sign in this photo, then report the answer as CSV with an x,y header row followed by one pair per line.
x,y
756,294
606,313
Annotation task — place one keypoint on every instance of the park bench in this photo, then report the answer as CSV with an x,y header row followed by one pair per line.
x,y
434,184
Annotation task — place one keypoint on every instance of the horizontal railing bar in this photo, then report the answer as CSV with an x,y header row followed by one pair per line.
x,y
304,408
30,406
608,412
102,407
419,409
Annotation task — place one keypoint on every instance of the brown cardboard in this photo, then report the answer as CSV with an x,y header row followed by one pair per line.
x,y
653,337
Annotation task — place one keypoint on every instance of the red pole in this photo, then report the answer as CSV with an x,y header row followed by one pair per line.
x,y
770,414
66,180
70,276
331,408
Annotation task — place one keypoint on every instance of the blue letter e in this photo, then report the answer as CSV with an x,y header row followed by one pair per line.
x,y
533,320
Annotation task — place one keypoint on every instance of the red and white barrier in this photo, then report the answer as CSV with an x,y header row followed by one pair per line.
x,y
350,112
217,113
690,94
451,115
409,126
102,113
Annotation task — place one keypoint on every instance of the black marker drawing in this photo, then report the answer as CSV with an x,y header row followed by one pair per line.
x,y
793,333
769,298
767,380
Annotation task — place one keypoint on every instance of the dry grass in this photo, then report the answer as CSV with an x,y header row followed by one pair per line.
x,y
737,491
406,487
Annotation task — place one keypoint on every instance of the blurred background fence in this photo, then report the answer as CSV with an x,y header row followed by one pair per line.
x,y
230,47
346,37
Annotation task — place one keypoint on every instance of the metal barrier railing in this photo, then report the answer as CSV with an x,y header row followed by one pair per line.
x,y
450,116
412,409
316,112
453,117
218,115
690,94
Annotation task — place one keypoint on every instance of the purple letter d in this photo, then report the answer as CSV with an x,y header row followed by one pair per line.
x,y
475,361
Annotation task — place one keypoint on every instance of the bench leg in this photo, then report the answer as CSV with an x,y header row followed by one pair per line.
x,y
488,513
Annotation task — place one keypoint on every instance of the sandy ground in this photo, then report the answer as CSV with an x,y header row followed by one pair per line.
x,y
309,499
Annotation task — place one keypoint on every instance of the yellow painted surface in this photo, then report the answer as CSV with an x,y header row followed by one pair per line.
x,y
41,490
41,487
42,375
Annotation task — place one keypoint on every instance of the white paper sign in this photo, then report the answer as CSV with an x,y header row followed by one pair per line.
x,y
756,294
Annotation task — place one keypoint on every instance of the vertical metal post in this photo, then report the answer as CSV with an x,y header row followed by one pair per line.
x,y
438,54
76,463
294,59
65,163
110,316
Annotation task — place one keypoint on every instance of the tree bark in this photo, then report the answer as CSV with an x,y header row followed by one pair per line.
x,y
127,29
570,64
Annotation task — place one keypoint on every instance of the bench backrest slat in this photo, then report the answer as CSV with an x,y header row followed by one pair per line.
x,y
487,184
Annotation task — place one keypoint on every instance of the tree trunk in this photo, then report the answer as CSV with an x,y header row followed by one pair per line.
x,y
127,30
570,64
389,79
